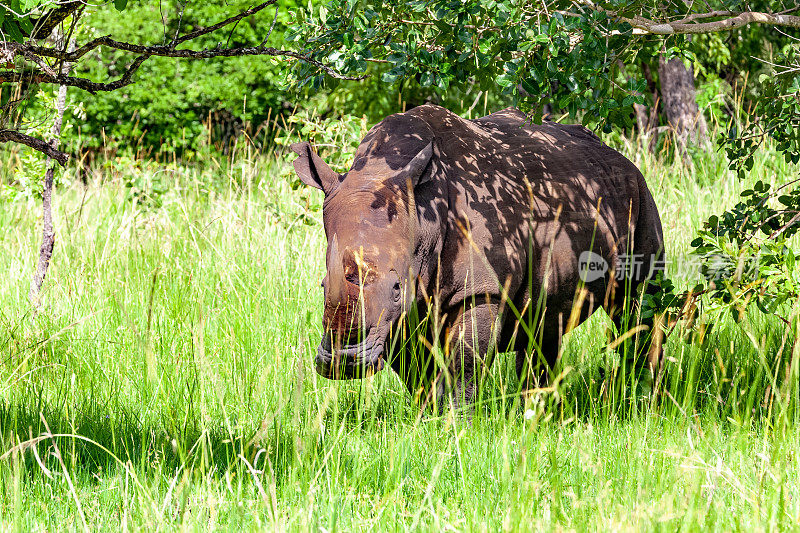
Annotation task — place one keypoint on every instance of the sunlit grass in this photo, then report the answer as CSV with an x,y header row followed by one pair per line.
x,y
173,354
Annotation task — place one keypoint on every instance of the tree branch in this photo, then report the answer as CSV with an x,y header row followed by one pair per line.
x,y
44,25
210,29
696,16
28,50
160,51
647,26
37,144
36,56
48,231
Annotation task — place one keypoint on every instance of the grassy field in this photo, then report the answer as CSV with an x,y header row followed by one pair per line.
x,y
167,382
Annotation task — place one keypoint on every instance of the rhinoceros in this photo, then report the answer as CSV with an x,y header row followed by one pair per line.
x,y
507,233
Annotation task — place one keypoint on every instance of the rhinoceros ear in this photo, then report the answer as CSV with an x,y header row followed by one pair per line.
x,y
312,170
419,170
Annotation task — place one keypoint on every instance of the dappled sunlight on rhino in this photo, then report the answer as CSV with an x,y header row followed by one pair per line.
x,y
483,225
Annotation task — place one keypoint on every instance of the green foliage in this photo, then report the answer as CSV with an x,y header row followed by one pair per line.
x,y
713,98
15,17
750,243
747,253
336,138
167,106
444,44
776,115
738,56
747,257
144,180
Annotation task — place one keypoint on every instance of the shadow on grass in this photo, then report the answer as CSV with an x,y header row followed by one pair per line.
x,y
753,380
95,442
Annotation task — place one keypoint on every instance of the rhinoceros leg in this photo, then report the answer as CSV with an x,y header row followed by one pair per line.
x,y
648,244
472,342
644,351
535,361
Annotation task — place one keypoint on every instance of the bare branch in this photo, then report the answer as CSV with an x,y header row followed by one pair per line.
x,y
161,51
37,144
82,83
271,27
48,231
697,16
39,62
180,20
647,26
210,29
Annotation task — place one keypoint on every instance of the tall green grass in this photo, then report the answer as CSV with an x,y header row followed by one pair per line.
x,y
167,382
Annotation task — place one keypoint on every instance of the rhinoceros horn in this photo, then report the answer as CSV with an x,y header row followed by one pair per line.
x,y
335,269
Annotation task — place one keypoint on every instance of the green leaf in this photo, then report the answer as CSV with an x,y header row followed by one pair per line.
x,y
11,27
389,77
120,4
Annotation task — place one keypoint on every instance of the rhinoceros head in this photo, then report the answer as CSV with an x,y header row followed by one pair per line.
x,y
373,244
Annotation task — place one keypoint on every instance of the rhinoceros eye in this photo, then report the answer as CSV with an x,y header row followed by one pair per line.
x,y
396,290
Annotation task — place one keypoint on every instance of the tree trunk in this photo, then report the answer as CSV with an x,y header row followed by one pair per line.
x,y
48,232
680,105
642,118
647,115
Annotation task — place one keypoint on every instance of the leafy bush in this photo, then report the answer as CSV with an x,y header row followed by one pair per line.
x,y
171,100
